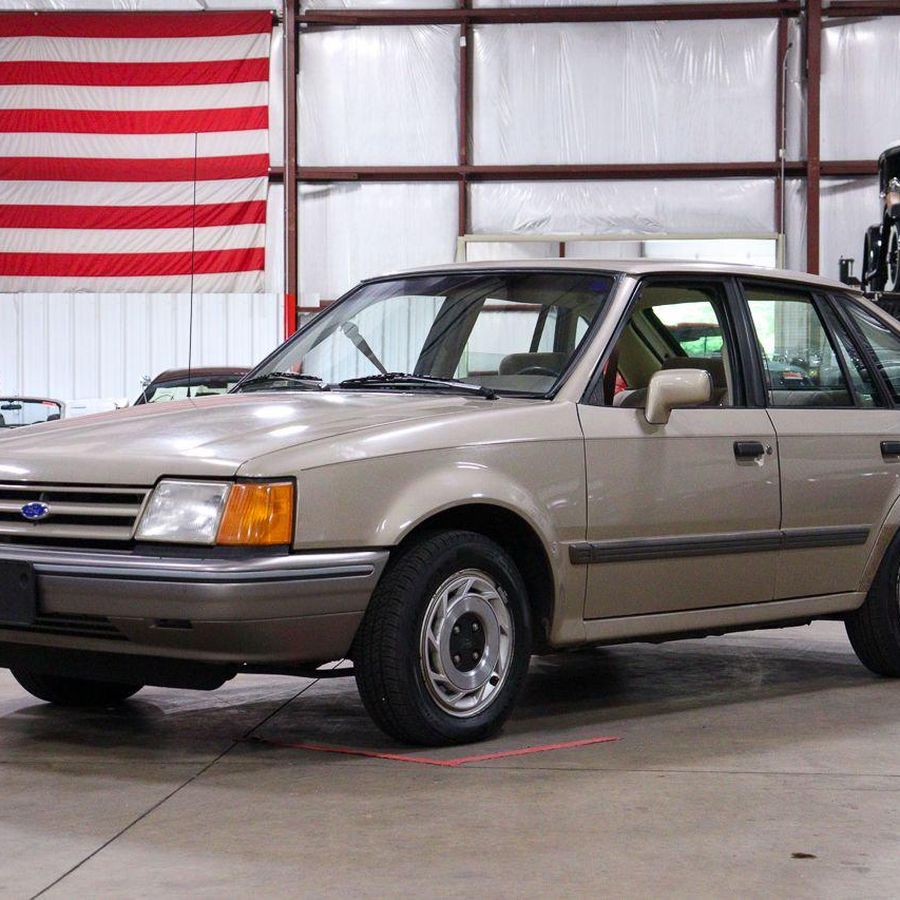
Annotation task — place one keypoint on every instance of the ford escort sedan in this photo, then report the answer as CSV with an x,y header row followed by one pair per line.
x,y
450,470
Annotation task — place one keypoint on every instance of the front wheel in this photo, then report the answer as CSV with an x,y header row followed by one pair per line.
x,y
65,691
444,646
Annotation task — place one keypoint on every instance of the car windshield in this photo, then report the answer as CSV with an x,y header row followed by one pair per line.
x,y
15,412
482,333
163,391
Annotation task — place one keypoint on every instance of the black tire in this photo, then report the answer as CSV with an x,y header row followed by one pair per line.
x,y
396,691
64,691
874,628
891,257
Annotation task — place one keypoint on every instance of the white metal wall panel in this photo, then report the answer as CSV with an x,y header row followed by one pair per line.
x,y
76,346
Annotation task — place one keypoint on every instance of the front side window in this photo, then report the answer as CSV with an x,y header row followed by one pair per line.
x,y
503,333
673,326
801,365
883,343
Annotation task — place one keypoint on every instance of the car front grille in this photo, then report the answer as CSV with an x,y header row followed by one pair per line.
x,y
77,513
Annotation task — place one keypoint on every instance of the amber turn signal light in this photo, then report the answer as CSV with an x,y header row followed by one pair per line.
x,y
258,514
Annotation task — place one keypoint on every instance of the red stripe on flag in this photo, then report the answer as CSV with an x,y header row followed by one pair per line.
x,y
162,121
93,265
134,25
106,74
251,212
208,168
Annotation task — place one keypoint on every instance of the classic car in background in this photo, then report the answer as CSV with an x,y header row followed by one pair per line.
x,y
18,411
881,248
179,384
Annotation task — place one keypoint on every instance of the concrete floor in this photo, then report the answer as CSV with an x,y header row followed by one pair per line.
x,y
735,754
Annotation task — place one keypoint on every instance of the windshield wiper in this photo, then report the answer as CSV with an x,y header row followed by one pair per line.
x,y
404,379
294,379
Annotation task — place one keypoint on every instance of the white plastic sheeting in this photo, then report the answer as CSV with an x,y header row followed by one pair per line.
x,y
379,96
354,231
71,347
707,206
847,208
625,92
860,102
138,5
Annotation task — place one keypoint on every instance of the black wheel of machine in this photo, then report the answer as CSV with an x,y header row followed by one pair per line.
x,y
892,259
874,628
444,646
869,280
65,691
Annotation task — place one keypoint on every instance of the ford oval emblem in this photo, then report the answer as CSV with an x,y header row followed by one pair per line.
x,y
35,512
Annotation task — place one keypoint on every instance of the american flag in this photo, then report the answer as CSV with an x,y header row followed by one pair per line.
x,y
100,185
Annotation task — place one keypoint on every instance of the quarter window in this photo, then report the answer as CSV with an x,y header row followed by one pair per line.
x,y
884,344
801,365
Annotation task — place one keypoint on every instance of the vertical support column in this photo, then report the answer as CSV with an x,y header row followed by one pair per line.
x,y
464,105
813,130
780,119
290,166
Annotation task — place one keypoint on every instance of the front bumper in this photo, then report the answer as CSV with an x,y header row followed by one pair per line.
x,y
265,609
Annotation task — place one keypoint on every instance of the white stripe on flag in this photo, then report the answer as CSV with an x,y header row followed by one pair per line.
x,y
124,99
215,283
163,193
155,50
134,146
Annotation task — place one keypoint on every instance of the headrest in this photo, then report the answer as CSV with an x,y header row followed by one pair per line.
x,y
517,362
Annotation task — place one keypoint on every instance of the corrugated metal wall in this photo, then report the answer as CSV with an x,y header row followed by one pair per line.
x,y
76,346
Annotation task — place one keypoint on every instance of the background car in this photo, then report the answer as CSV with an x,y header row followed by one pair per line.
x,y
179,384
18,411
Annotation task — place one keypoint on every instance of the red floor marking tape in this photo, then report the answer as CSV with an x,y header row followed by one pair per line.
x,y
445,763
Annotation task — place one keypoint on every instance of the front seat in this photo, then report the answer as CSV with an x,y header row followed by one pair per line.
x,y
712,364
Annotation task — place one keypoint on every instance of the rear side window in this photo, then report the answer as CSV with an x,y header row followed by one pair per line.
x,y
883,343
802,368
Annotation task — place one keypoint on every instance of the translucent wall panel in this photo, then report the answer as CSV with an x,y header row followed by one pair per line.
x,y
482,3
138,5
352,231
275,239
379,96
860,102
78,346
848,208
707,206
625,92
795,224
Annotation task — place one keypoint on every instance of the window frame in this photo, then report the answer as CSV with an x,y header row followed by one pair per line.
x,y
821,303
838,302
733,332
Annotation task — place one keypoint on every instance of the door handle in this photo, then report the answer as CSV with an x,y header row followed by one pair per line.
x,y
748,450
890,448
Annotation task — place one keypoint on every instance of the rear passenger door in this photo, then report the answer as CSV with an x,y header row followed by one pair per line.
x,y
831,416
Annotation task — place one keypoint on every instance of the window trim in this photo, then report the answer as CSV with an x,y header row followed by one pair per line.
x,y
593,392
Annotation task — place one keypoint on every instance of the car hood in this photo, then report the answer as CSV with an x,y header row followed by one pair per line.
x,y
207,438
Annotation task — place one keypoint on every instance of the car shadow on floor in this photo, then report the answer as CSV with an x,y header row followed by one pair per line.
x,y
731,683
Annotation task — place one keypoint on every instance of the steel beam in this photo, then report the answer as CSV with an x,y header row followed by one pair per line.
x,y
813,131
290,167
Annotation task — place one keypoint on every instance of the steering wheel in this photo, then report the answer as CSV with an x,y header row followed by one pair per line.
x,y
538,370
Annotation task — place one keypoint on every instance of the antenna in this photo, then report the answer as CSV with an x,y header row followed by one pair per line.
x,y
193,245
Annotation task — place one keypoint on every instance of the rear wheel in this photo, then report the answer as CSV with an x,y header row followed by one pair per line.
x,y
444,647
874,628
65,691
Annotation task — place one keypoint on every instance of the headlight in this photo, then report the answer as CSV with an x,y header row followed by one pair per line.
x,y
248,514
184,512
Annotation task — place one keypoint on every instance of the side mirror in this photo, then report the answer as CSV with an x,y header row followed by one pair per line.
x,y
674,388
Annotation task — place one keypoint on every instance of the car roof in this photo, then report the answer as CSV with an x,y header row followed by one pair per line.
x,y
636,267
205,372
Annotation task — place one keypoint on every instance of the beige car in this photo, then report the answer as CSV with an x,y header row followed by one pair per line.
x,y
450,470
